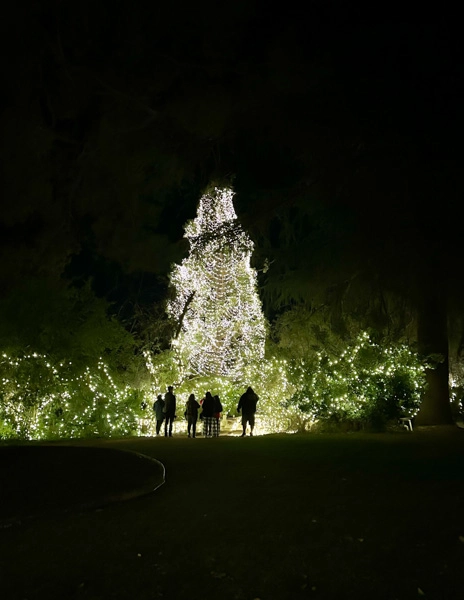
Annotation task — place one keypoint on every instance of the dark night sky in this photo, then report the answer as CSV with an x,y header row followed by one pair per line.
x,y
115,115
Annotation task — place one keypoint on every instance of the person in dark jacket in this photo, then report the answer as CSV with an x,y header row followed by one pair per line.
x,y
191,412
217,416
247,405
158,407
169,411
207,414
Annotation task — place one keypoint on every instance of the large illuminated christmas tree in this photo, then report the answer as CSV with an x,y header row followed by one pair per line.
x,y
215,302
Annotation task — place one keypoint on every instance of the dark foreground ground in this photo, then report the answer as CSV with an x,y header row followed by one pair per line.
x,y
276,517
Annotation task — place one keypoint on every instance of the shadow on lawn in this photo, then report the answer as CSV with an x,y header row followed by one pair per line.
x,y
44,479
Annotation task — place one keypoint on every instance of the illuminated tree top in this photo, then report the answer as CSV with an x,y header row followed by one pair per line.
x,y
214,208
216,225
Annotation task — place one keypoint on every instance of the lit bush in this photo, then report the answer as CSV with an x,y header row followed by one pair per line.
x,y
41,400
367,383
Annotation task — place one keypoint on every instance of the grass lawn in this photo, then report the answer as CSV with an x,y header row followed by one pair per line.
x,y
274,517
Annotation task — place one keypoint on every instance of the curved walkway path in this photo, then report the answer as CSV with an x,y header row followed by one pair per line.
x,y
38,479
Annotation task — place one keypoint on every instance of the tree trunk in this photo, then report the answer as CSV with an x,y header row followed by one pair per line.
x,y
432,335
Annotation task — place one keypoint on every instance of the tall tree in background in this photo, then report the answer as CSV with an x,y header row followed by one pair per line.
x,y
215,300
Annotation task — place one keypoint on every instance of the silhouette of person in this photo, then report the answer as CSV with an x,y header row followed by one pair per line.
x,y
207,414
158,407
169,411
247,405
191,412
217,416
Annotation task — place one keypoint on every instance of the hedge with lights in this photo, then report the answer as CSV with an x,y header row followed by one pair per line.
x,y
41,399
367,383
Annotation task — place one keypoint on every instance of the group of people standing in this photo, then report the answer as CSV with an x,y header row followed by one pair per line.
x,y
211,409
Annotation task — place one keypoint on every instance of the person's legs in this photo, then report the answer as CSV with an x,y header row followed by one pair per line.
x,y
194,427
189,425
171,421
166,426
244,424
158,427
251,420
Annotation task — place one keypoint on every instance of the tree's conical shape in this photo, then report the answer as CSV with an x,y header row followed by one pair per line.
x,y
215,301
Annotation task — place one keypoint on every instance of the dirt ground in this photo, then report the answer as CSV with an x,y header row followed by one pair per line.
x,y
274,517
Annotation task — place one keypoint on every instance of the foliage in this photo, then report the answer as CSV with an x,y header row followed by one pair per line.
x,y
301,331
164,369
55,318
368,382
45,400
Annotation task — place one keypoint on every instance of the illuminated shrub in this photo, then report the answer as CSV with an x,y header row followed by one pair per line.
x,y
29,388
41,400
367,383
